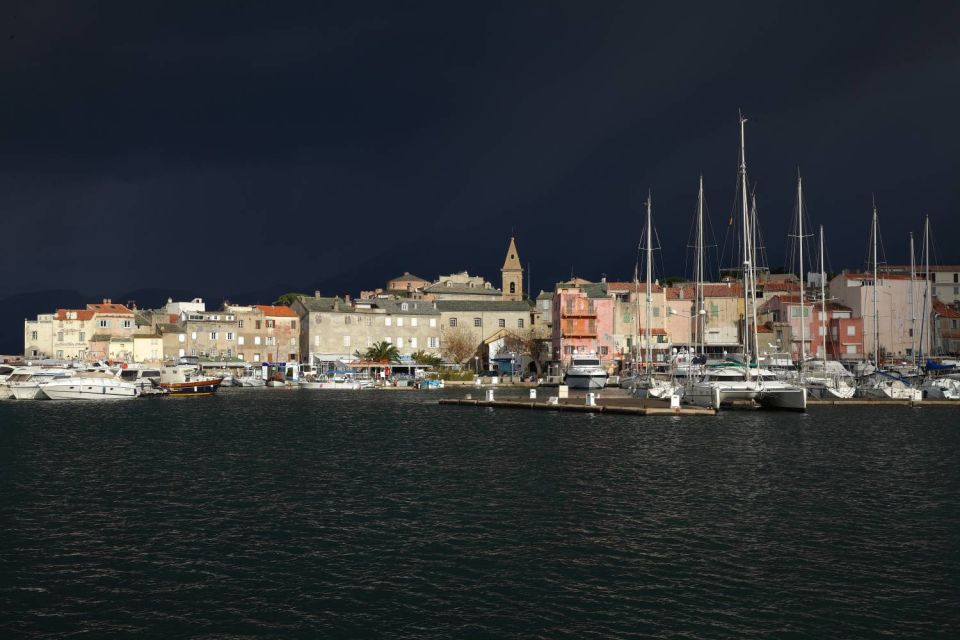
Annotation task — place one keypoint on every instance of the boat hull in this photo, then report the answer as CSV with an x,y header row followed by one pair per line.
x,y
585,381
193,388
30,391
86,390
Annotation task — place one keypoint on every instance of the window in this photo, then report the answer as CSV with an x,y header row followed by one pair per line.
x,y
317,318
33,335
433,342
851,348
229,353
271,341
240,357
821,316
241,341
399,343
513,287
193,335
182,337
346,341
453,322
213,335
413,343
501,323
293,324
656,312
103,324
910,332
388,340
413,322
293,342
604,350
316,341
256,339
346,319
83,336
369,322
271,324
823,330
520,323
127,324
181,353
59,353
956,277
545,305
404,307
388,321
851,330
433,322
399,322
256,324
477,322
229,335
369,341
59,336
240,326
256,357
193,351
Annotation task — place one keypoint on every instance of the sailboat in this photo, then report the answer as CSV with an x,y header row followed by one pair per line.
x,y
647,385
740,381
827,379
882,384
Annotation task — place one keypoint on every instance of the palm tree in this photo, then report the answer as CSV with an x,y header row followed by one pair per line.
x,y
382,351
422,357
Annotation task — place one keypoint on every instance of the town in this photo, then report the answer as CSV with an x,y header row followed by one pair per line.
x,y
467,322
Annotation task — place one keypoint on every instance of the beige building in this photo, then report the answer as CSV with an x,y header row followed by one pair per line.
x,y
38,337
148,348
512,274
486,320
334,329
462,286
630,320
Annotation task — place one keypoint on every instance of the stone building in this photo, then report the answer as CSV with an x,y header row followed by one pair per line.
x,y
512,274
334,329
462,286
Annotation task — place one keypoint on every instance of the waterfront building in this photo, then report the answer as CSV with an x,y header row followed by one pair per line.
x,y
841,335
38,336
723,317
281,332
629,322
899,308
335,329
100,331
946,328
148,348
583,322
944,280
486,320
207,334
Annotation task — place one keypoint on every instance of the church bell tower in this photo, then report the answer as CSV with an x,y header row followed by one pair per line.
x,y
512,273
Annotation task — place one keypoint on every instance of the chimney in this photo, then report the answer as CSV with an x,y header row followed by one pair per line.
x,y
316,294
107,301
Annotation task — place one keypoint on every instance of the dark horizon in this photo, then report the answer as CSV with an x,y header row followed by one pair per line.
x,y
338,146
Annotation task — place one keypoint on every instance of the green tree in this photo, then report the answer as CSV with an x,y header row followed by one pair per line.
x,y
422,357
287,299
381,351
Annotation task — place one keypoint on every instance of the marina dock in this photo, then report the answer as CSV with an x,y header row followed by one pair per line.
x,y
623,406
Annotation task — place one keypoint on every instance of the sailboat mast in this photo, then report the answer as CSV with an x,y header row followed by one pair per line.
x,y
747,266
876,309
913,301
800,240
649,351
927,301
699,303
823,304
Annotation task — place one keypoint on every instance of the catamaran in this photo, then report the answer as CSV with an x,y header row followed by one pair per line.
x,y
743,380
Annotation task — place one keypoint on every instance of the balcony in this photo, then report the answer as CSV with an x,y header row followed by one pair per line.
x,y
578,311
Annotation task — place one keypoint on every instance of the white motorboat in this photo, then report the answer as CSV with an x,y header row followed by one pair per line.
x,y
336,382
585,372
249,381
92,385
828,380
142,378
25,384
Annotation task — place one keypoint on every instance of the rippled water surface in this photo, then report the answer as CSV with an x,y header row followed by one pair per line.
x,y
272,513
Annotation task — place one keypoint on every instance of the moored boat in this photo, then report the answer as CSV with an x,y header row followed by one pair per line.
x,y
93,385
585,372
186,380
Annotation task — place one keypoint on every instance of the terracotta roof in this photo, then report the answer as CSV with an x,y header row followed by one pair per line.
x,y
82,314
711,290
284,312
945,311
655,331
109,307
632,286
780,285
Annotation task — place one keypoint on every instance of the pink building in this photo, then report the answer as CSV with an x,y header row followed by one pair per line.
x,y
583,321
841,334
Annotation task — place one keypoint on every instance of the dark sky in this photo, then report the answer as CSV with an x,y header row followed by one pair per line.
x,y
230,146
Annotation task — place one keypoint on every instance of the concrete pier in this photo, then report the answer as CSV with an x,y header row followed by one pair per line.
x,y
622,406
